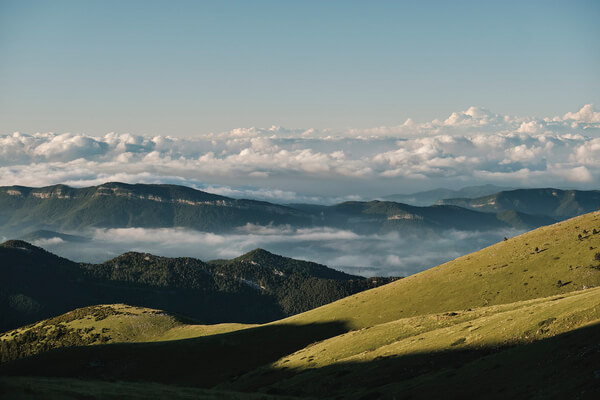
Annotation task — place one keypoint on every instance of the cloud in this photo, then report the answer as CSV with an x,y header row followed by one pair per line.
x,y
48,242
577,174
288,165
530,127
585,115
369,255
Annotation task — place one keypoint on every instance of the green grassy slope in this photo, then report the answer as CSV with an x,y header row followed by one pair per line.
x,y
522,317
393,347
102,324
481,327
200,361
509,271
383,361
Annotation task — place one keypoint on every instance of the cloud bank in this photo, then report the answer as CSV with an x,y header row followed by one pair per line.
x,y
471,146
391,254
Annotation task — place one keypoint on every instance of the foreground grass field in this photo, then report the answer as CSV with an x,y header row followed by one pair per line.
x,y
408,347
53,388
520,319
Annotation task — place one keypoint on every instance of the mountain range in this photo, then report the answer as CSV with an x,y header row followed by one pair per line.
x,y
430,197
555,203
256,287
118,205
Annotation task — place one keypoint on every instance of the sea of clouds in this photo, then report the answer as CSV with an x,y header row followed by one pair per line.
x,y
310,165
392,254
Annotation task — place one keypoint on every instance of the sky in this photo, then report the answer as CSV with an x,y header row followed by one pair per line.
x,y
188,68
300,101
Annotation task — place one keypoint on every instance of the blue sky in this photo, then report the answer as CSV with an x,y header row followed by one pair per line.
x,y
190,67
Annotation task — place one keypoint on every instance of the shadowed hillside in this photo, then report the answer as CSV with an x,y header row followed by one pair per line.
x,y
257,287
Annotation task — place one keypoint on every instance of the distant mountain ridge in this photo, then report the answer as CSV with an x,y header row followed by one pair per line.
x,y
377,216
256,287
119,205
555,203
430,197
44,235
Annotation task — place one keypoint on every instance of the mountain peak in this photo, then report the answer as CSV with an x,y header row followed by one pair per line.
x,y
20,244
258,254
134,256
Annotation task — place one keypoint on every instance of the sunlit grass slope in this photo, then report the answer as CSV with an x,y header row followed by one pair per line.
x,y
492,326
355,359
548,261
102,324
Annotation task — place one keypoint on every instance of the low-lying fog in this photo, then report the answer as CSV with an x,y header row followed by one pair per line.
x,y
389,254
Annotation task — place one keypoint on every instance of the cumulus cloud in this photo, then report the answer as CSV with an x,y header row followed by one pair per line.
x,y
585,115
279,164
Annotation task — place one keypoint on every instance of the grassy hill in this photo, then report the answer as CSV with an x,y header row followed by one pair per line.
x,y
551,260
406,347
256,287
520,319
101,324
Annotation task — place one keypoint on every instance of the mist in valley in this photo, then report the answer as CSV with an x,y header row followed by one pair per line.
x,y
390,254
